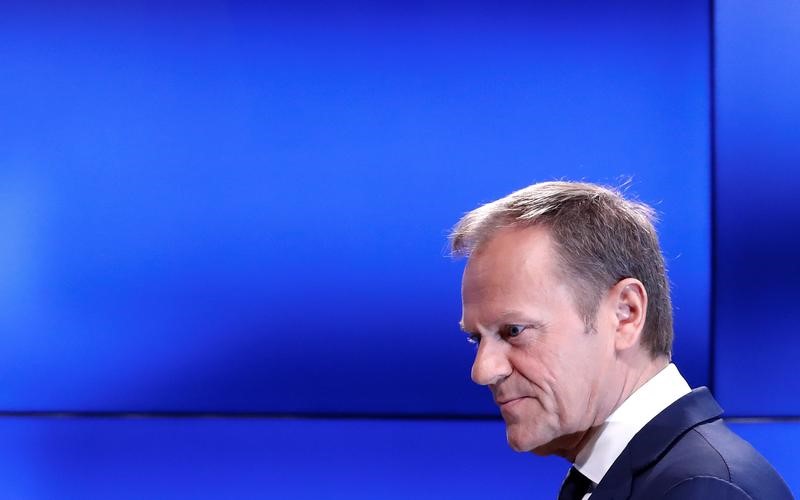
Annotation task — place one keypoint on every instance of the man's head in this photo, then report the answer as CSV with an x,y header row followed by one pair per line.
x,y
566,292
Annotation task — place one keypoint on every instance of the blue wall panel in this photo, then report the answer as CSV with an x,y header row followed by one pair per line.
x,y
254,458
294,459
233,206
757,181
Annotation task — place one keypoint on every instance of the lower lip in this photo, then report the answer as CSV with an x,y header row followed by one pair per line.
x,y
511,404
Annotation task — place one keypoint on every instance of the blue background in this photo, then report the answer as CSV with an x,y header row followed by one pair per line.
x,y
758,153
220,215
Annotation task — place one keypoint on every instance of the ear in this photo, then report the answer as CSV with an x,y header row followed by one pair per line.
x,y
629,300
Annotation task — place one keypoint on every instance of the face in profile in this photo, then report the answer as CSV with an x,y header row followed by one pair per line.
x,y
544,367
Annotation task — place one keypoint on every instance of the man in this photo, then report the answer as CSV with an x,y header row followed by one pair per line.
x,y
565,294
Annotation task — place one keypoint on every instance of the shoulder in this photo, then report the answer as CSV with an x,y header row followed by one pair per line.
x,y
705,487
710,458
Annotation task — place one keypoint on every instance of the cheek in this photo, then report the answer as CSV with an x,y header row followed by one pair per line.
x,y
550,369
571,386
535,369
561,375
581,393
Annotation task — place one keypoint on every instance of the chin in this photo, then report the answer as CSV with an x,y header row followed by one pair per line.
x,y
522,441
541,441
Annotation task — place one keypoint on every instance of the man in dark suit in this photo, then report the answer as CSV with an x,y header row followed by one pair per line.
x,y
566,296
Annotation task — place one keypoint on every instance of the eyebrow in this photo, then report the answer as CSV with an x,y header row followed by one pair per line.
x,y
507,316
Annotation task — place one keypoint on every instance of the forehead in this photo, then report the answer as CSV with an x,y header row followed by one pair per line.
x,y
515,267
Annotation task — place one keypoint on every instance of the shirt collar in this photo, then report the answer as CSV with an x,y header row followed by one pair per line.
x,y
597,456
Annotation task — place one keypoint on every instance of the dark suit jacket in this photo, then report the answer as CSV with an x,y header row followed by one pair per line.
x,y
687,452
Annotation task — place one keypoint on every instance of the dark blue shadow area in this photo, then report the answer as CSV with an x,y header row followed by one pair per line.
x,y
758,178
778,442
242,207
248,458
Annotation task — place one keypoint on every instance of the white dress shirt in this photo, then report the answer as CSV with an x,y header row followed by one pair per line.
x,y
666,387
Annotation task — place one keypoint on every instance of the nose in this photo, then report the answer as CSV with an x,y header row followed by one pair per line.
x,y
491,363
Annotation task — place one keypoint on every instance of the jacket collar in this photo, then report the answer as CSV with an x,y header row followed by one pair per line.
x,y
655,438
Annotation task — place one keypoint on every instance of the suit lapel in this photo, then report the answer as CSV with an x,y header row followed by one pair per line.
x,y
653,441
616,484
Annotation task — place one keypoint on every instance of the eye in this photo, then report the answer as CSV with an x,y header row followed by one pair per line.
x,y
511,331
474,338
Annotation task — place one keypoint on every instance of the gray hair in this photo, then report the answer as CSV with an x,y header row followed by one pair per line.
x,y
600,237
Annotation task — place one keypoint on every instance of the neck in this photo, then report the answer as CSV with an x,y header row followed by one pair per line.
x,y
633,379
